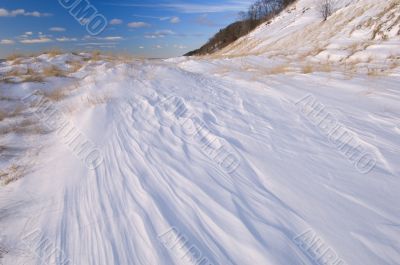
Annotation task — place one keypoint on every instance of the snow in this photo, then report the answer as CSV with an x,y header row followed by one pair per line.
x,y
210,160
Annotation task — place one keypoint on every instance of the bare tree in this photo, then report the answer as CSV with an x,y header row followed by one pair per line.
x,y
326,8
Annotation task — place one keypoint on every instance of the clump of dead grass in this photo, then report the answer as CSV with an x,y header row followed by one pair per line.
x,y
25,76
26,126
95,56
325,67
75,66
14,56
280,69
53,71
307,69
54,52
33,79
11,174
56,95
3,115
372,72
31,75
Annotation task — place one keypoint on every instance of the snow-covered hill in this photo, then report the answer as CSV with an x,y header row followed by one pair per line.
x,y
233,159
359,31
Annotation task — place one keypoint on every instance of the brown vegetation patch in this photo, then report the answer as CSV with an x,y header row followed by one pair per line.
x,y
11,174
53,71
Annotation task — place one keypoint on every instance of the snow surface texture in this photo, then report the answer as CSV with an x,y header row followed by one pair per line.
x,y
234,160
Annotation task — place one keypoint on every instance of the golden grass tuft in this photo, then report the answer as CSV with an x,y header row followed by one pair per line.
x,y
280,69
3,115
307,69
56,95
33,79
374,72
11,174
27,76
75,66
14,56
326,67
95,56
53,71
32,76
13,73
54,52
24,126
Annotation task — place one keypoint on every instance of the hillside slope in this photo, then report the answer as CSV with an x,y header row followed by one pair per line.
x,y
358,31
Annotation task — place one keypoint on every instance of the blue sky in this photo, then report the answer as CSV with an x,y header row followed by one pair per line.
x,y
144,28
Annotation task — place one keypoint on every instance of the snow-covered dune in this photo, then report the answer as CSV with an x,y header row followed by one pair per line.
x,y
222,160
358,31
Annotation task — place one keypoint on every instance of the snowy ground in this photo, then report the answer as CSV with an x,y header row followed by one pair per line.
x,y
201,161
283,148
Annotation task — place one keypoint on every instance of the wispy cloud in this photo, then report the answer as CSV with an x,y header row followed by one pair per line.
x,y
138,24
96,44
228,6
57,29
108,38
7,42
159,34
152,17
36,41
21,12
116,21
173,20
177,46
66,39
113,38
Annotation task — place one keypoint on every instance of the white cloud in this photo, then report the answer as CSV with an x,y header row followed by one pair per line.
x,y
96,44
7,42
66,39
179,46
138,25
3,12
112,38
116,21
141,47
84,21
108,38
21,12
57,29
158,46
159,34
35,41
29,33
107,46
175,20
